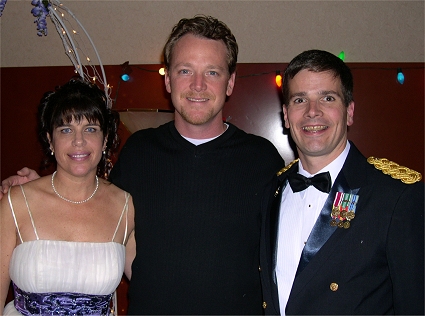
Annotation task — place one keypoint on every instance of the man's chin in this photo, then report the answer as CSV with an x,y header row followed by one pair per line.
x,y
196,119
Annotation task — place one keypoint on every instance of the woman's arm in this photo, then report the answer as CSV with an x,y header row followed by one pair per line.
x,y
130,253
8,243
130,246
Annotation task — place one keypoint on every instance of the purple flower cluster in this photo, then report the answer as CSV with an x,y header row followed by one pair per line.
x,y
2,4
40,11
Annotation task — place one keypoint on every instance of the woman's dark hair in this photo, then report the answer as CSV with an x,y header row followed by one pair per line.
x,y
76,100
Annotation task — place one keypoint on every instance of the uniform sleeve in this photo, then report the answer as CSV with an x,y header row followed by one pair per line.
x,y
405,251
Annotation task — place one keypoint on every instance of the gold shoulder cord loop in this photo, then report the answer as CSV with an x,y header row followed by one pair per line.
x,y
396,171
286,168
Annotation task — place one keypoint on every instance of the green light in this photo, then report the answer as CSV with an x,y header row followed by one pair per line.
x,y
342,55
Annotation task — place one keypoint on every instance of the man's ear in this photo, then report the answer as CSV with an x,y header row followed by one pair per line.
x,y
285,116
167,81
350,114
231,84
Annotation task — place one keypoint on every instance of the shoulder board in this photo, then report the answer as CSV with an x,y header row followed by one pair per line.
x,y
286,168
396,171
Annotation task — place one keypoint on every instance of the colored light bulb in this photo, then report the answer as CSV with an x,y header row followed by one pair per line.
x,y
278,79
400,76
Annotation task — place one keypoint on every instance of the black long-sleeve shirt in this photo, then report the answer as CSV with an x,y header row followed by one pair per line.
x,y
198,220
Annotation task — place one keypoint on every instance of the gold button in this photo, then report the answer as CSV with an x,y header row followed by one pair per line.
x,y
334,286
264,305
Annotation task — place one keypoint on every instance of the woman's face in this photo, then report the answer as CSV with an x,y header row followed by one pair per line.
x,y
78,146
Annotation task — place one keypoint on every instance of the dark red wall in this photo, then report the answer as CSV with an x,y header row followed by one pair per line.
x,y
388,117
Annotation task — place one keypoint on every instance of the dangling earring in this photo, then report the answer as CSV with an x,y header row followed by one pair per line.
x,y
104,152
52,153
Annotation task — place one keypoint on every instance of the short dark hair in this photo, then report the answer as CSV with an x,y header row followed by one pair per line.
x,y
319,61
203,26
78,99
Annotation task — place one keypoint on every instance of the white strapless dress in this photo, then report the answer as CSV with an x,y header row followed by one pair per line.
x,y
50,266
53,277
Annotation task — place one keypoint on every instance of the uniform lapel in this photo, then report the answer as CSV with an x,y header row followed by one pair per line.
x,y
322,229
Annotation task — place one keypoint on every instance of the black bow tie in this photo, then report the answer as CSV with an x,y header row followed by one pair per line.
x,y
321,181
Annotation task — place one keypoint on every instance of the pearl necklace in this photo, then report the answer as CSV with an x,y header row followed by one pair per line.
x,y
75,202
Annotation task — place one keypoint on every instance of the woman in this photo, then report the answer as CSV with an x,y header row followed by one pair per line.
x,y
63,236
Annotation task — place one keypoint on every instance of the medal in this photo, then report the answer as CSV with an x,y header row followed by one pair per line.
x,y
343,209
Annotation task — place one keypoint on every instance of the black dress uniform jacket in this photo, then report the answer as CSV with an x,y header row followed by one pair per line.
x,y
376,266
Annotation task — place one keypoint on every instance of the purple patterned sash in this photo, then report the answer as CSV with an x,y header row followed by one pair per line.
x,y
60,303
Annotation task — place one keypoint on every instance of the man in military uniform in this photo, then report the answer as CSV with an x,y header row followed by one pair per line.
x,y
344,234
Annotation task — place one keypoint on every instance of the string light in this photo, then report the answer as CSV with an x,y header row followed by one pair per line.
x,y
126,71
278,79
278,76
342,55
400,76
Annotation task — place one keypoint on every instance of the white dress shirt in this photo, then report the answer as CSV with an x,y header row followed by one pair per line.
x,y
298,214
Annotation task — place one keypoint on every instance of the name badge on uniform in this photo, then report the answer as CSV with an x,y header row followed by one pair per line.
x,y
343,209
